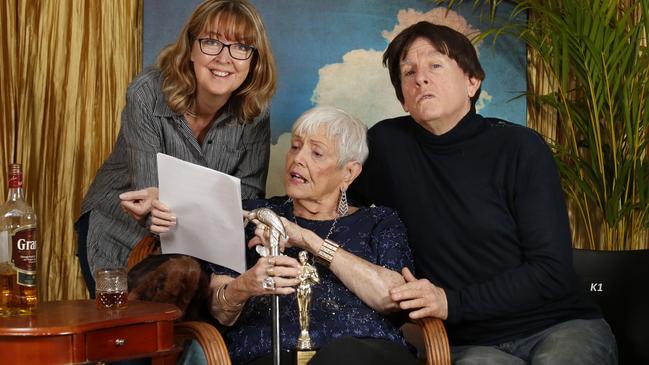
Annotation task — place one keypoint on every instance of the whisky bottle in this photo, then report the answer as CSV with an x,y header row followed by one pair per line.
x,y
18,240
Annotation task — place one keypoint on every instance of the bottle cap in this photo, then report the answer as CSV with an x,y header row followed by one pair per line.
x,y
15,176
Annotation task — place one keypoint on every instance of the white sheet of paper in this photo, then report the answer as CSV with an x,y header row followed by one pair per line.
x,y
207,206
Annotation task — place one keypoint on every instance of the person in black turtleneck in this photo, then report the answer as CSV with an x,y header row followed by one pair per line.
x,y
485,214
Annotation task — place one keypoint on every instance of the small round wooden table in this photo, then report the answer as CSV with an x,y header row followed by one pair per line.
x,y
75,331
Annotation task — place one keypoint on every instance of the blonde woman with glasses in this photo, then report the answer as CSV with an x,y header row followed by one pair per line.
x,y
205,101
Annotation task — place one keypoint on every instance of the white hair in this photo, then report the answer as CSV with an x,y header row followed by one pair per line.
x,y
347,132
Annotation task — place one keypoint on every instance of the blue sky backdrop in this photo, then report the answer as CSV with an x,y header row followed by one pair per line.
x,y
307,36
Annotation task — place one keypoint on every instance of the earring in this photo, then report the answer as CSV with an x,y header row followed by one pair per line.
x,y
343,207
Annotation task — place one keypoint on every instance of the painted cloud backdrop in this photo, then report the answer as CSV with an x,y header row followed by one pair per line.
x,y
329,53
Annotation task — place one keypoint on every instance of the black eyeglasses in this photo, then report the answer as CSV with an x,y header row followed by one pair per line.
x,y
213,47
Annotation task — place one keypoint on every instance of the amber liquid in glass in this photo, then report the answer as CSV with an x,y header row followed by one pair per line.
x,y
112,300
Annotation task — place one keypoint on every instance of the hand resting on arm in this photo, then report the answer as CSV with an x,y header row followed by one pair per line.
x,y
421,297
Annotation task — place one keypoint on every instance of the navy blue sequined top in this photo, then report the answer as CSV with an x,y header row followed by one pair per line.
x,y
375,234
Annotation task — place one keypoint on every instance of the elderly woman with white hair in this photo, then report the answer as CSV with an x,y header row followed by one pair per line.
x,y
359,251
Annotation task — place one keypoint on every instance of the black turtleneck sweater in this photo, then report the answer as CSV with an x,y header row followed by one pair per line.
x,y
486,221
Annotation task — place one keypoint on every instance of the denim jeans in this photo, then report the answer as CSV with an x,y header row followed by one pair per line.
x,y
575,342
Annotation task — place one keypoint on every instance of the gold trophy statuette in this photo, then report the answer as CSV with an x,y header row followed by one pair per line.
x,y
308,276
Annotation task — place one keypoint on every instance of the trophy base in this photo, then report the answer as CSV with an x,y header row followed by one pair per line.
x,y
304,356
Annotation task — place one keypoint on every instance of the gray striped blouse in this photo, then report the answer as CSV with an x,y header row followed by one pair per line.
x,y
148,127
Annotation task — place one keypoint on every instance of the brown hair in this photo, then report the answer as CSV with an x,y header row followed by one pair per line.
x,y
446,40
239,20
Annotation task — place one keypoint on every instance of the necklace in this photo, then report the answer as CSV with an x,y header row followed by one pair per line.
x,y
331,229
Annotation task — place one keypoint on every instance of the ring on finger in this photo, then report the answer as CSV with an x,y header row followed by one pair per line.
x,y
268,283
270,271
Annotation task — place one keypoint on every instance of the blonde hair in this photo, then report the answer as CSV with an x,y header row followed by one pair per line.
x,y
237,19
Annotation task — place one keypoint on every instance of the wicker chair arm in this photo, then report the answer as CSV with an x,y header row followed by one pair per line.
x,y
438,351
145,247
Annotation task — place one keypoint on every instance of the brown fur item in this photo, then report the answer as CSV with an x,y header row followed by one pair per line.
x,y
174,279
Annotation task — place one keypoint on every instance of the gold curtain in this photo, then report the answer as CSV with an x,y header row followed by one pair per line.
x,y
65,68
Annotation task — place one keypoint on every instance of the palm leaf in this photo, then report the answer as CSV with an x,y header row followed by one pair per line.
x,y
595,54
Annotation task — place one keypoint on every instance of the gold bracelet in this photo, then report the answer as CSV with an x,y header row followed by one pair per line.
x,y
326,252
220,298
225,301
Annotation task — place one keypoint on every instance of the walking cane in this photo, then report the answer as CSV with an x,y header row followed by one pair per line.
x,y
270,219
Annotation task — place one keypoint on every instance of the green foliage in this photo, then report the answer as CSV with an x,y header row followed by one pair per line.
x,y
595,54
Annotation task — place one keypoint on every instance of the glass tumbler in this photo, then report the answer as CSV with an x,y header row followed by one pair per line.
x,y
111,290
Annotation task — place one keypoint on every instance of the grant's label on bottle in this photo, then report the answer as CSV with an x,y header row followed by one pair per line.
x,y
23,255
